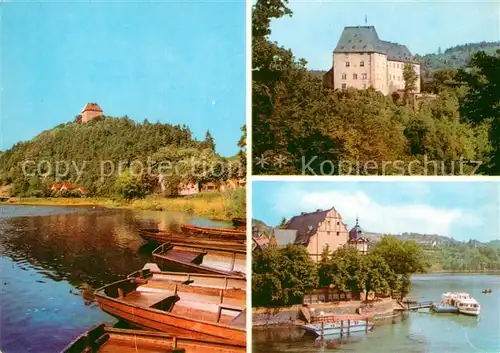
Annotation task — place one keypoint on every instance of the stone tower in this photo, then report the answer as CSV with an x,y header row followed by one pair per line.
x,y
91,111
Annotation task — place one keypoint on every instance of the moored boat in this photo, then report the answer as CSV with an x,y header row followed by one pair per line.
x,y
212,231
199,259
109,339
185,310
239,223
152,273
160,237
463,302
337,325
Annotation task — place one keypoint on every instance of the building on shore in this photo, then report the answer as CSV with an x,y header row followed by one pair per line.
x,y
362,60
91,111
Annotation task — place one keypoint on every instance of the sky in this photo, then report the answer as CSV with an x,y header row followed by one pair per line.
x,y
462,210
173,62
423,26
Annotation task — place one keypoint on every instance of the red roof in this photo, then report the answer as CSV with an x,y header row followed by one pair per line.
x,y
92,107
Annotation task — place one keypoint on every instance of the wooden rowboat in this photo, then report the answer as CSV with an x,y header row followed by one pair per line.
x,y
199,259
225,232
239,223
189,311
152,273
108,339
160,237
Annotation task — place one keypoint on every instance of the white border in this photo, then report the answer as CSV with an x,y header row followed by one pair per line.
x,y
249,178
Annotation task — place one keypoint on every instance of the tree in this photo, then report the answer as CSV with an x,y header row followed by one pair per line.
x,y
282,276
209,141
128,186
410,77
482,100
283,223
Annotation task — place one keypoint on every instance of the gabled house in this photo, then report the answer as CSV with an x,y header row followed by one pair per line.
x,y
323,229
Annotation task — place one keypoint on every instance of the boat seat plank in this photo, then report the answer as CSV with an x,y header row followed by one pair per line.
x,y
122,346
185,256
147,299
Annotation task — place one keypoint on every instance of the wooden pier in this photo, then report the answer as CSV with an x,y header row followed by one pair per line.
x,y
411,305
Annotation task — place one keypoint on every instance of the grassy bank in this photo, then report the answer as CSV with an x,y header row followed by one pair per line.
x,y
217,205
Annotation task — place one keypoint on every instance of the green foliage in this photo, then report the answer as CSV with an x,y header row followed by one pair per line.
x,y
282,276
128,186
402,257
235,205
410,77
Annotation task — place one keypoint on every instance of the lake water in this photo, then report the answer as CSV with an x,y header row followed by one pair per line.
x,y
51,260
417,332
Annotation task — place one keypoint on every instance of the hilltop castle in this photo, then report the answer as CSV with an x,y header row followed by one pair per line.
x,y
91,111
362,60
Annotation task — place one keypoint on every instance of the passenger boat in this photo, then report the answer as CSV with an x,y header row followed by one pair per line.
x,y
463,302
151,272
337,325
187,310
199,259
160,237
211,231
109,339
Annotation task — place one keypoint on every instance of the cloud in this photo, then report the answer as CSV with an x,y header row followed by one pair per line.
x,y
377,216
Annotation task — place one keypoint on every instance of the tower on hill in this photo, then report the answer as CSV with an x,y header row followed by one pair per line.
x,y
91,111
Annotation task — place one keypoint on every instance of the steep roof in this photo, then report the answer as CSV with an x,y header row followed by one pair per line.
x,y
306,225
364,39
92,107
357,233
285,236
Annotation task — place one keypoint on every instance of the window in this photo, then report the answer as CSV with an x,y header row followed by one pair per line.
x,y
364,76
344,86
344,76
362,64
338,233
393,64
338,223
347,64
354,76
328,233
399,78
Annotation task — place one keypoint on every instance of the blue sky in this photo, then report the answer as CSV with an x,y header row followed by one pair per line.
x,y
463,210
424,26
174,62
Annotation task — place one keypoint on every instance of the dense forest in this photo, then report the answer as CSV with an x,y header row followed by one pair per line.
x,y
299,127
115,156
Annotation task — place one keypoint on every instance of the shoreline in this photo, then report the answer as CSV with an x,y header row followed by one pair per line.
x,y
211,206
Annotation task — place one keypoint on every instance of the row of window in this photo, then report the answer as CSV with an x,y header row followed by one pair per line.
x,y
344,86
361,64
364,76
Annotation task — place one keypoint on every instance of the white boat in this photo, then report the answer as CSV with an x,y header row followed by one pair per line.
x,y
464,303
336,325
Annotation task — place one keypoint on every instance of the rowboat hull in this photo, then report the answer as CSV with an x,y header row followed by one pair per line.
x,y
108,339
200,260
185,321
159,237
211,231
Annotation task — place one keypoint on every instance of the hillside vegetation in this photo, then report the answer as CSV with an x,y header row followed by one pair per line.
x,y
299,127
114,157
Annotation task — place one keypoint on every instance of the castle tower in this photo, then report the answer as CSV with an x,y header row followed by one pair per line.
x,y
91,111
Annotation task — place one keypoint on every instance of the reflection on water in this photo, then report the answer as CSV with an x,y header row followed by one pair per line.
x,y
52,259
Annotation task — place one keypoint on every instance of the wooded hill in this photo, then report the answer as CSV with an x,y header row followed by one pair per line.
x,y
102,144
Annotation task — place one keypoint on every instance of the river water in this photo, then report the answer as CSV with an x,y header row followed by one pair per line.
x,y
51,260
416,332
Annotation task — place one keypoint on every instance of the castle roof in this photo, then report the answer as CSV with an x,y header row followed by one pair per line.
x,y
285,236
306,225
357,233
364,39
92,107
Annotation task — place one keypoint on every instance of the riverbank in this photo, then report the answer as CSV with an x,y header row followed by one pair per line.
x,y
217,205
